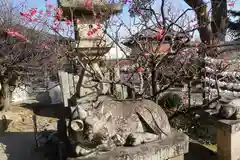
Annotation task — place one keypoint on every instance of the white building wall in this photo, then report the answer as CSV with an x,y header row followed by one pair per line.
x,y
116,52
21,93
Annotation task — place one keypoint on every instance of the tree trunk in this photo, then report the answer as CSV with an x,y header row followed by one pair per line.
x,y
211,33
219,22
154,78
5,97
200,8
79,83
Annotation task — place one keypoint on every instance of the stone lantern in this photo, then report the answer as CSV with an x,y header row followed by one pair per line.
x,y
88,16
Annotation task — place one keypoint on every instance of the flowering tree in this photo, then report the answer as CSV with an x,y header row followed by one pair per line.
x,y
163,50
159,47
164,37
183,60
27,51
157,28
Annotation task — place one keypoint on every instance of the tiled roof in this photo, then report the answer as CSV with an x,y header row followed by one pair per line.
x,y
151,33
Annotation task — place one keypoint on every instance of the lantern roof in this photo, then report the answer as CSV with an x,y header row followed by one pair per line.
x,y
87,7
150,33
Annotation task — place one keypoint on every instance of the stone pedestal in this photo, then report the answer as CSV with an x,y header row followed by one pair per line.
x,y
91,42
228,139
172,148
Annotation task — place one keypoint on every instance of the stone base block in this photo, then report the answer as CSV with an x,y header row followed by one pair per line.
x,y
172,148
181,157
228,139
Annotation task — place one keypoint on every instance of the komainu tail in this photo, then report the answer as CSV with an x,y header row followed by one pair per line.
x,y
155,117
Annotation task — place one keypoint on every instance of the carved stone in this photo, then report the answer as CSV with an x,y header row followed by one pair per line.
x,y
172,148
127,119
228,139
102,131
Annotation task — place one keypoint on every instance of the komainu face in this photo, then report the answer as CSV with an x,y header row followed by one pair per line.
x,y
95,126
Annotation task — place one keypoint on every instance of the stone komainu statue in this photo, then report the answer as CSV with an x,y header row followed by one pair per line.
x,y
116,123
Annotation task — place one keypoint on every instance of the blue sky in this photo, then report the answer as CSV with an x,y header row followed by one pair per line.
x,y
35,3
125,14
179,4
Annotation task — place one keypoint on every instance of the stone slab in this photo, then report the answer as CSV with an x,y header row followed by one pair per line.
x,y
228,136
228,139
181,157
175,146
230,126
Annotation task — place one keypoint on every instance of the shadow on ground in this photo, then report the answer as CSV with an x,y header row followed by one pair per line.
x,y
18,145
199,152
43,106
47,110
